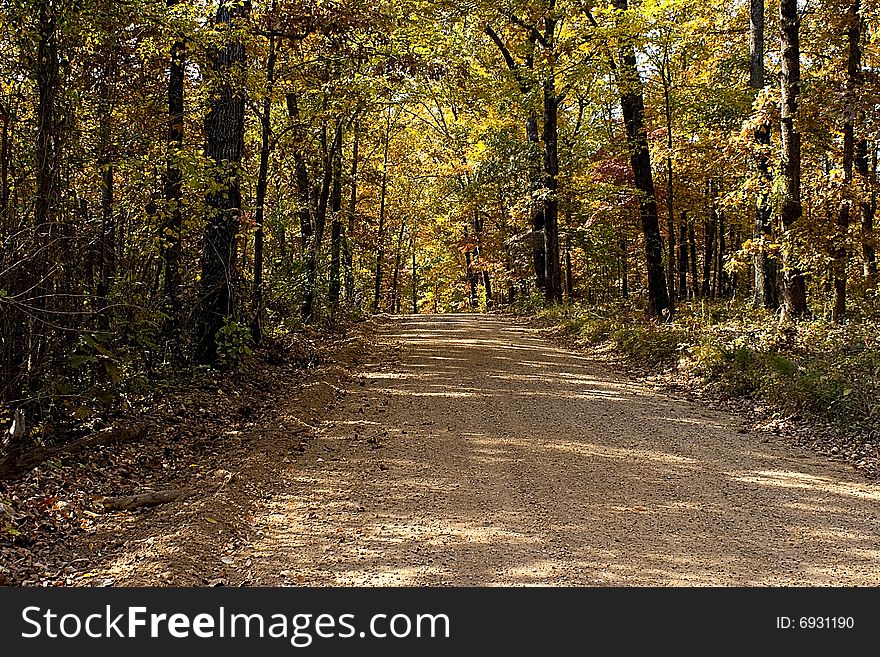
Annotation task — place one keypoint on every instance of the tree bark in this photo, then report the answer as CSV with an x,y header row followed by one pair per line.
x,y
336,235
415,280
670,190
522,73
173,223
395,292
765,291
352,209
262,186
709,251
683,257
225,133
552,273
692,244
853,75
633,108
537,206
320,223
866,211
794,290
380,231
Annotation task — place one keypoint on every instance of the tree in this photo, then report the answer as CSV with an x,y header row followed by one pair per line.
x,y
794,290
632,104
853,73
766,295
225,143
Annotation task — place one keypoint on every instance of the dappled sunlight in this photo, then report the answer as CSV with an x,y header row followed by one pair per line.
x,y
468,462
790,479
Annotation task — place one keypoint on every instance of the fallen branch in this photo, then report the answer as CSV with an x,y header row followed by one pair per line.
x,y
152,498
20,462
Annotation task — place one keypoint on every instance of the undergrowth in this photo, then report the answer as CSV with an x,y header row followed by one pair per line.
x,y
813,368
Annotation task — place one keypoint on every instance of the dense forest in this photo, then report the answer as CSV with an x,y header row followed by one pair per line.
x,y
181,182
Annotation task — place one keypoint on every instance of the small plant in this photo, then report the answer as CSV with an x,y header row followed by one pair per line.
x,y
233,343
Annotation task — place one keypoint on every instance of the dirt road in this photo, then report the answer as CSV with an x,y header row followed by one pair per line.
x,y
485,455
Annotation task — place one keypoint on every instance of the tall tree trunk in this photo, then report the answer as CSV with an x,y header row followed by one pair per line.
x,y
395,292
683,257
524,77
47,153
336,235
380,232
469,273
794,289
415,280
225,136
552,273
262,185
569,281
853,75
352,209
692,248
537,206
670,205
720,274
173,224
320,223
484,273
709,252
4,165
633,108
766,295
105,166
108,236
301,177
866,210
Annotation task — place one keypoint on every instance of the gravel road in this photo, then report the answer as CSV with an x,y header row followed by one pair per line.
x,y
473,452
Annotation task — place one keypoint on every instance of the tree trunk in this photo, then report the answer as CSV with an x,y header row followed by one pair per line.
x,y
723,278
569,282
415,281
709,252
469,274
683,257
537,206
764,263
380,232
692,244
225,136
47,147
866,210
633,108
173,223
552,272
794,290
4,166
108,235
352,209
395,278
335,234
853,75
320,223
670,205
262,185
301,176
484,273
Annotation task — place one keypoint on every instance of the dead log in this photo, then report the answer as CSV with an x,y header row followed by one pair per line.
x,y
151,498
18,463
